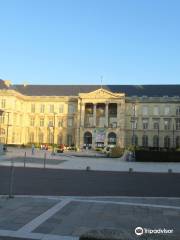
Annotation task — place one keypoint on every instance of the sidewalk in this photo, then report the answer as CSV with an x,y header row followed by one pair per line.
x,y
67,160
66,218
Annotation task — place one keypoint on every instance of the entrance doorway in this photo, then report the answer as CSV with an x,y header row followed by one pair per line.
x,y
88,139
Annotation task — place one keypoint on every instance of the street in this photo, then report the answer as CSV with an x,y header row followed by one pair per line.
x,y
35,181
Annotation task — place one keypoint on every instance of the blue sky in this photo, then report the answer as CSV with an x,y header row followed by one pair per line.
x,y
77,41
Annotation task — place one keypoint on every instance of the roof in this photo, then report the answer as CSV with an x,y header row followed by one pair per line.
x,y
74,90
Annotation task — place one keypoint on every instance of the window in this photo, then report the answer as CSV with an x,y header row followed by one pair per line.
x,y
156,111
112,138
32,107
167,142
71,109
133,123
177,123
31,121
41,122
60,123
178,111
41,137
145,124
156,125
145,110
70,122
61,108
167,110
60,138
13,137
2,119
134,110
42,107
51,108
167,124
50,137
3,103
178,142
155,141
50,124
2,131
21,119
31,137
145,141
69,140
134,140
15,119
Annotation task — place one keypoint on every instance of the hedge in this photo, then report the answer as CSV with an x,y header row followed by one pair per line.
x,y
157,156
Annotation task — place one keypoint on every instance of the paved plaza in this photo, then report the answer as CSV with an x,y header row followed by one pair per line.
x,y
80,161
66,218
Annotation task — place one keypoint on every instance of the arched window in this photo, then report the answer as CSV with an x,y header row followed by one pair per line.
x,y
145,141
31,137
87,138
134,140
41,137
112,138
167,142
155,141
2,131
178,141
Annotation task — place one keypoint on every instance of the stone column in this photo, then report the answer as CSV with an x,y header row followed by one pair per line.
x,y
106,115
118,114
82,114
78,124
94,114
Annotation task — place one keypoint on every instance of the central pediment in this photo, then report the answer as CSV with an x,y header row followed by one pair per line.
x,y
101,93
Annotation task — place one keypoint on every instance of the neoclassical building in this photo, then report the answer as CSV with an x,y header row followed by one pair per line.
x,y
93,115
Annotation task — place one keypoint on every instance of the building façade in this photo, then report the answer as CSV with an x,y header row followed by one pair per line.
x,y
93,115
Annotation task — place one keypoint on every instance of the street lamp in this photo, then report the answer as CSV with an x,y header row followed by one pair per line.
x,y
7,130
133,120
54,123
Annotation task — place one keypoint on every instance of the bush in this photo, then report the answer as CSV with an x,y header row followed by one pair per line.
x,y
98,149
116,152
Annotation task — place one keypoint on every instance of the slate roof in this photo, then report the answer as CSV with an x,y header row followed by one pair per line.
x,y
74,90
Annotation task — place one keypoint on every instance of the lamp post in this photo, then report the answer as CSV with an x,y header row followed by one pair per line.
x,y
133,123
7,129
158,135
173,137
54,123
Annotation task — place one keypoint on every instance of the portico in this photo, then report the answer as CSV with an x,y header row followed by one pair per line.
x,y
100,123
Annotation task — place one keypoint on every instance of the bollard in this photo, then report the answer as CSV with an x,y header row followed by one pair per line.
x,y
170,170
45,160
11,181
130,170
24,159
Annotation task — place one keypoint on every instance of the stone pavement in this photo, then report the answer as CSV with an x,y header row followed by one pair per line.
x,y
67,160
66,218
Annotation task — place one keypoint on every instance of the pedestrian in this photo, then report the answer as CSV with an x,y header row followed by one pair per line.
x,y
32,148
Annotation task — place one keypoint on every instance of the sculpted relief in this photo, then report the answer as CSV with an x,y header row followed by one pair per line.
x,y
101,94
